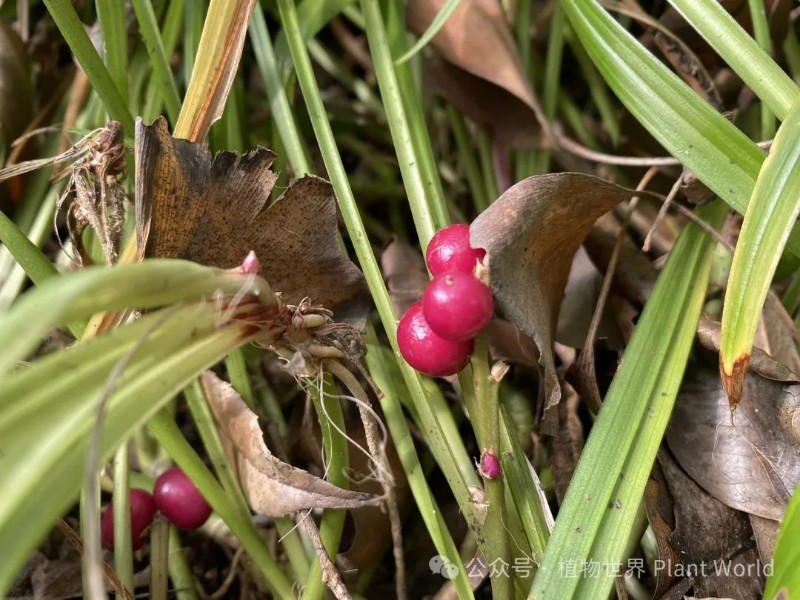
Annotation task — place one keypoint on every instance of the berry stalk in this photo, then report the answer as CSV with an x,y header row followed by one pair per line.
x,y
486,422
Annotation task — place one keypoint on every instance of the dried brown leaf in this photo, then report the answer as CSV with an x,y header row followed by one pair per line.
x,y
485,77
751,464
271,486
406,276
214,211
709,533
501,114
531,234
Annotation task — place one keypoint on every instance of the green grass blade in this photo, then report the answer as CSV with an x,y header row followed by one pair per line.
x,y
43,457
392,388
99,289
692,131
438,22
750,62
758,14
74,33
449,458
25,252
115,41
602,501
768,222
398,122
151,35
785,577
278,102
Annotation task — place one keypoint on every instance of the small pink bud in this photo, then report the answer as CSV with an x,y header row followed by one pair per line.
x,y
490,465
250,265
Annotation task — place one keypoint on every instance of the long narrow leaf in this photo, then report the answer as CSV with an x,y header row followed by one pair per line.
x,y
749,61
604,494
96,289
73,31
692,131
768,222
42,459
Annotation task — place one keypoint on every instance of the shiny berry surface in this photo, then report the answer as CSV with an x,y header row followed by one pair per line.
x,y
449,250
490,467
426,351
142,511
179,500
457,306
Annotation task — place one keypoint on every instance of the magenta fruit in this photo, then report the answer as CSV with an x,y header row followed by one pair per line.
x,y
143,509
457,306
179,500
449,250
427,352
490,467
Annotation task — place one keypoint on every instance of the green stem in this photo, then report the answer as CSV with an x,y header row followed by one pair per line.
x,y
335,451
407,152
444,453
159,559
486,421
74,33
758,14
279,105
167,433
179,572
417,130
401,437
151,36
115,41
123,550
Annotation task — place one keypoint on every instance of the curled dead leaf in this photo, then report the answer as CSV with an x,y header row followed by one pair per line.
x,y
271,486
531,234
483,76
214,211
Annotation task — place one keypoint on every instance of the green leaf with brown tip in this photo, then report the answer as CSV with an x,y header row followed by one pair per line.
x,y
769,220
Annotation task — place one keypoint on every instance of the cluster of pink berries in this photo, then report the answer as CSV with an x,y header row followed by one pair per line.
x,y
174,495
436,335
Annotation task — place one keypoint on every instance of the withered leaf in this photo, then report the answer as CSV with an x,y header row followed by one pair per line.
x,y
709,533
752,464
530,235
271,486
483,62
214,211
404,271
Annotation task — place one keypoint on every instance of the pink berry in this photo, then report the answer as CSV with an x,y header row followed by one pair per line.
x,y
143,509
457,306
449,250
490,465
426,351
179,500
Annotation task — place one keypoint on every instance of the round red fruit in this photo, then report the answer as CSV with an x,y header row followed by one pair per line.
x,y
426,351
179,500
449,250
143,509
457,306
